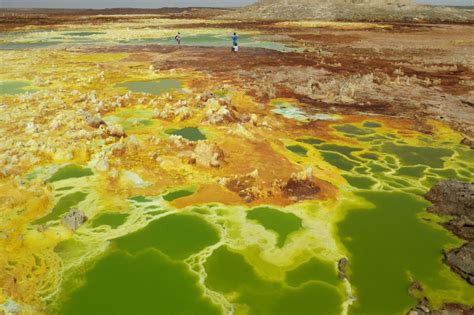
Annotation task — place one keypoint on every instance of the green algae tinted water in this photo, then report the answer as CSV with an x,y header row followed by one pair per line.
x,y
297,149
178,236
70,171
114,220
15,87
313,270
389,247
190,133
157,87
145,283
228,272
280,222
177,194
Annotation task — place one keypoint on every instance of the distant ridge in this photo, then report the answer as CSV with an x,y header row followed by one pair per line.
x,y
354,10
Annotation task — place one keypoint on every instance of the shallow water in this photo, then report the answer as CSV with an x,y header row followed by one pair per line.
x,y
208,38
190,133
157,87
15,87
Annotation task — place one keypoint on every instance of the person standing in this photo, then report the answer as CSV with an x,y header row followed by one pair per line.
x,y
178,39
235,45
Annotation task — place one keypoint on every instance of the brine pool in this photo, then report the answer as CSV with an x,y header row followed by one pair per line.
x,y
214,259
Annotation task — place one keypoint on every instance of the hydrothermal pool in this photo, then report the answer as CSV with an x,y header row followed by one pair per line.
x,y
233,208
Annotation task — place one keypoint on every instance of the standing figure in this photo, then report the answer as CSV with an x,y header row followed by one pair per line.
x,y
178,39
235,45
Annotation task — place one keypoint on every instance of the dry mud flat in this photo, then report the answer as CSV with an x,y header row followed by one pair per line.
x,y
270,181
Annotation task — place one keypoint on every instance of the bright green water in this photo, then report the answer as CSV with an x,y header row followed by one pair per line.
x,y
313,270
297,149
145,283
190,133
152,87
142,273
177,194
177,236
70,171
280,222
15,87
228,272
388,243
114,220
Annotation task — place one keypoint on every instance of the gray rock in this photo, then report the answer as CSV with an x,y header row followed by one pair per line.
x,y
468,142
342,266
74,219
454,198
461,260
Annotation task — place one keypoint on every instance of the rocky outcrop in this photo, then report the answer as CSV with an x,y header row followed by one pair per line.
x,y
352,10
301,186
207,154
424,308
94,121
116,131
468,142
74,219
456,199
342,268
461,260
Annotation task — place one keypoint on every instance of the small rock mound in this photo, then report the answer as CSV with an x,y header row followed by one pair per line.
x,y
74,219
456,199
301,186
207,154
461,260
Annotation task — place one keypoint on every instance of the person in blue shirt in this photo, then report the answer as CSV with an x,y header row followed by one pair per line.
x,y
235,45
234,39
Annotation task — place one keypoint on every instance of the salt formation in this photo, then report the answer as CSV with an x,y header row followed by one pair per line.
x,y
219,111
116,131
74,219
207,154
